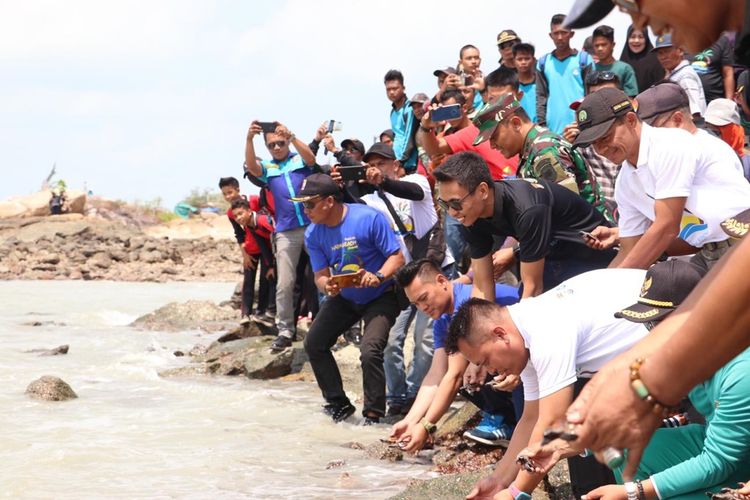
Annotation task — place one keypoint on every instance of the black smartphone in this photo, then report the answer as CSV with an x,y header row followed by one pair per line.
x,y
268,127
443,113
352,173
334,126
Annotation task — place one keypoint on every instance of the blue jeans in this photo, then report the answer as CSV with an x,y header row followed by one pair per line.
x,y
401,385
454,239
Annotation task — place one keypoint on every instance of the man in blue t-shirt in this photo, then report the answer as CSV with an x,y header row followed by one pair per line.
x,y
284,174
438,297
560,77
347,241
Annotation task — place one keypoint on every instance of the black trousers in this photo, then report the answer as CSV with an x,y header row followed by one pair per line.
x,y
586,473
266,290
336,316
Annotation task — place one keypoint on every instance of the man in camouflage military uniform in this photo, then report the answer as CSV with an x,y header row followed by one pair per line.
x,y
543,154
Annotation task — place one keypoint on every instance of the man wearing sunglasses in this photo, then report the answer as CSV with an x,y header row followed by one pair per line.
x,y
284,174
546,219
349,239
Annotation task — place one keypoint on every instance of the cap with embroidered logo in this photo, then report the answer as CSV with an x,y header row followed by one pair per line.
x,y
666,286
598,111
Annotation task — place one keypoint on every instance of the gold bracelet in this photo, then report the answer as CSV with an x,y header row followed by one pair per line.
x,y
640,389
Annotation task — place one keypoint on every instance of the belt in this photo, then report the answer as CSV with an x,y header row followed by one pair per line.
x,y
719,245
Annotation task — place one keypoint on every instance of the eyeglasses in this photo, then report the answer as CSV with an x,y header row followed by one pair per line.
x,y
310,204
598,77
276,144
627,5
456,205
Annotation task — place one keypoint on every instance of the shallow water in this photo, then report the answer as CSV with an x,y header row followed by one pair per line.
x,y
132,434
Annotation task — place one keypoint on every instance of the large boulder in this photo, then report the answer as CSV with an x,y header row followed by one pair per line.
x,y
190,315
37,204
50,388
450,486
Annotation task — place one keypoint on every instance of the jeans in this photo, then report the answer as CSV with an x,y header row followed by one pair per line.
x,y
455,240
337,315
289,246
498,402
403,385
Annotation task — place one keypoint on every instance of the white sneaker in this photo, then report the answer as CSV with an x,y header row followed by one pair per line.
x,y
245,320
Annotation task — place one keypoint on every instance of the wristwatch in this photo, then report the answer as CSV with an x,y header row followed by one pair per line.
x,y
380,276
632,490
428,426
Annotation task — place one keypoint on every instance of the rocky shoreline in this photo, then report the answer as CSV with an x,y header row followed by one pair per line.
x,y
77,247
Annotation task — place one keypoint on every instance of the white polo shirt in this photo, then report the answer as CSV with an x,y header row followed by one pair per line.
x,y
685,76
672,163
571,331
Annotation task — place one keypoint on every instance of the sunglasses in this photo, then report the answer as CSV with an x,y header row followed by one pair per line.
x,y
598,77
276,144
456,205
310,204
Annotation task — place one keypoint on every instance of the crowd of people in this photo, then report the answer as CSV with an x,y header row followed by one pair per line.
x,y
562,235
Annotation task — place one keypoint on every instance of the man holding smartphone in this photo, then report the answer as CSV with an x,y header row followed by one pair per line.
x,y
284,174
346,239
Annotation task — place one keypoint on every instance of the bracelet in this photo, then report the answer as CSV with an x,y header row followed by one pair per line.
x,y
641,492
425,129
631,490
516,493
640,389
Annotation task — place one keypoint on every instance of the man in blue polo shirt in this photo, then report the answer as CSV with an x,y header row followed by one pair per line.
x,y
438,297
349,239
403,123
284,174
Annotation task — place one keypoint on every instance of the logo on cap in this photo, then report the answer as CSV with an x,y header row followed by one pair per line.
x,y
617,107
646,285
582,115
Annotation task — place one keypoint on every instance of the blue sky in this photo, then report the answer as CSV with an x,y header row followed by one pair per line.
x,y
139,100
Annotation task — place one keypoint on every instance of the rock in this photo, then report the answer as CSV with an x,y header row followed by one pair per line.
x,y
50,388
151,257
264,364
100,260
384,451
333,464
37,204
190,315
57,351
354,445
241,332
193,370
198,350
50,259
455,423
450,486
178,354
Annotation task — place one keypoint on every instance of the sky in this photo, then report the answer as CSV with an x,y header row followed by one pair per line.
x,y
145,100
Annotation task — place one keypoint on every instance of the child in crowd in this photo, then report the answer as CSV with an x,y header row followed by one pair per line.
x,y
252,228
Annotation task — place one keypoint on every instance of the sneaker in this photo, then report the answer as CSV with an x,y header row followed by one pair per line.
x,y
491,431
264,320
280,343
245,320
339,412
395,410
369,420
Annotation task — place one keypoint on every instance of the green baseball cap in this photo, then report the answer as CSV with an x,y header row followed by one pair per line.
x,y
491,114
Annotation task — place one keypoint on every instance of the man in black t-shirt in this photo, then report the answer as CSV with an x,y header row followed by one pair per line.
x,y
715,67
546,219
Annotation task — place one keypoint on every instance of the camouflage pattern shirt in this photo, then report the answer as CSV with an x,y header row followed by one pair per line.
x,y
546,155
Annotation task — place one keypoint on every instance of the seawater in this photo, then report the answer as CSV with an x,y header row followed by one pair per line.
x,y
132,434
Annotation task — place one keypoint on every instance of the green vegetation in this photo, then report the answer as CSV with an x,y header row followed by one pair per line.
x,y
205,197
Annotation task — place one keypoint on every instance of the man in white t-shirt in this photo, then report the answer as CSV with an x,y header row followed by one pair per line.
x,y
552,341
409,198
671,195
679,71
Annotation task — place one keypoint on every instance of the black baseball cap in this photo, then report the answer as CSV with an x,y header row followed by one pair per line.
x,y
316,185
598,112
666,286
387,132
737,226
659,99
588,12
355,143
380,149
448,70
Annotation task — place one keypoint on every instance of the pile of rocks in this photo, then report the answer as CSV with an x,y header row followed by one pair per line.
x,y
75,247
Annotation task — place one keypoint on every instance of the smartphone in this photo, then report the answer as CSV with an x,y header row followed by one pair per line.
x,y
352,173
466,79
334,126
268,127
346,280
587,236
443,113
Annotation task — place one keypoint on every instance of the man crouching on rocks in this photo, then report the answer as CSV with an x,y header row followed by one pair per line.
x,y
354,254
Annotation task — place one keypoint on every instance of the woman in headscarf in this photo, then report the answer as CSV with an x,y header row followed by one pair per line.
x,y
638,53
